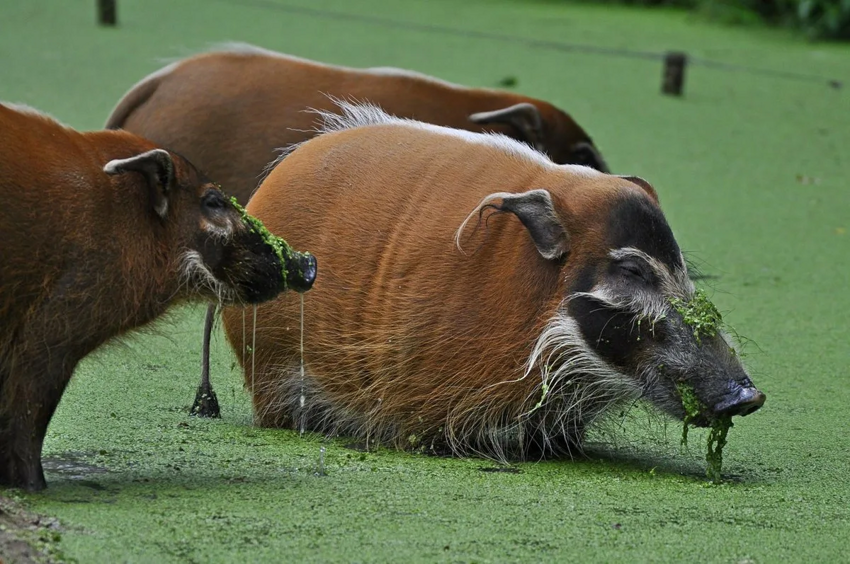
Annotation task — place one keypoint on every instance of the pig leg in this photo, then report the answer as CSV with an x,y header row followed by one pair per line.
x,y
206,402
31,393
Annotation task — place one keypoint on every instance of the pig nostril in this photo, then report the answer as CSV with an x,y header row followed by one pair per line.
x,y
302,277
743,402
310,271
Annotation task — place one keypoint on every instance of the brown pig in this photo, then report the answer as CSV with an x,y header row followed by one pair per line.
x,y
101,233
247,101
476,297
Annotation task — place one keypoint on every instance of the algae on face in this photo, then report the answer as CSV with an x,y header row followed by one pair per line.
x,y
281,248
700,314
716,436
705,320
692,407
716,441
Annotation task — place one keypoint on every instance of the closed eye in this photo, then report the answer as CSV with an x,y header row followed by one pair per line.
x,y
214,200
632,269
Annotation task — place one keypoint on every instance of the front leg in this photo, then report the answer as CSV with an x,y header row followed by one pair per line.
x,y
31,392
206,402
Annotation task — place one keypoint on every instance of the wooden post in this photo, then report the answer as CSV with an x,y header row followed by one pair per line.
x,y
674,73
106,13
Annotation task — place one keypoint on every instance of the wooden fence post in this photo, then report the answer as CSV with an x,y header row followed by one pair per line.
x,y
106,13
674,73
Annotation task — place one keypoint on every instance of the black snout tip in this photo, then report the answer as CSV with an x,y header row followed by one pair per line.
x,y
741,402
302,273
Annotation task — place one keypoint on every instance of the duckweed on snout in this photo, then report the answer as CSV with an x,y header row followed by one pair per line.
x,y
702,315
284,252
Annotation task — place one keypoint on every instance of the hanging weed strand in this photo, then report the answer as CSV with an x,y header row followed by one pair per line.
x,y
716,436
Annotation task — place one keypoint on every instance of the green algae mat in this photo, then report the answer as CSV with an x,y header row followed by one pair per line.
x,y
751,169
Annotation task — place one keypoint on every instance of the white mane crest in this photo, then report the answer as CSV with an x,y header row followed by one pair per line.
x,y
355,113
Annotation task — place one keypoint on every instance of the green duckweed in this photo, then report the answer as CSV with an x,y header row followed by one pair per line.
x,y
281,248
718,430
716,441
700,313
692,406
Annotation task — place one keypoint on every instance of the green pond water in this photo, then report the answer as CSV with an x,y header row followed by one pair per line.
x,y
752,172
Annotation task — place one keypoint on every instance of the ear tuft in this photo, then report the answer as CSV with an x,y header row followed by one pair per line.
x,y
524,117
536,212
643,184
158,168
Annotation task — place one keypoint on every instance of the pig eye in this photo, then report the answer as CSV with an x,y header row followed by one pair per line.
x,y
213,200
632,269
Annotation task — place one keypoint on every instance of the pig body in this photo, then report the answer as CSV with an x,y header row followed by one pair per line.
x,y
475,296
229,111
101,233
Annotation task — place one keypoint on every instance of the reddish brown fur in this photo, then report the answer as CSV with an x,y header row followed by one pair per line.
x,y
405,335
215,105
84,258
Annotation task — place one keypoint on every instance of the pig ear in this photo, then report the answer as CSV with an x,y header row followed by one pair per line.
x,y
584,153
524,117
646,186
158,169
537,213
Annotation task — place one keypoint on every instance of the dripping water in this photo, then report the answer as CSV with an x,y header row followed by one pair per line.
x,y
302,399
243,338
253,356
320,471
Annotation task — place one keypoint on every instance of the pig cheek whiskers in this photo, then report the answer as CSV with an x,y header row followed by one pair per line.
x,y
576,385
196,277
217,234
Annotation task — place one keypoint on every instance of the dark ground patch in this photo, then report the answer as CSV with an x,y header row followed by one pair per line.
x,y
27,537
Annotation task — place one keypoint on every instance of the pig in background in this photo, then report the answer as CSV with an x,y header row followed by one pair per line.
x,y
231,109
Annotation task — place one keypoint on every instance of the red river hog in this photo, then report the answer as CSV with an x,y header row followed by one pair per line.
x,y
102,232
475,297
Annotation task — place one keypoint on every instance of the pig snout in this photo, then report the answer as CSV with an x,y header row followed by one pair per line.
x,y
301,271
741,400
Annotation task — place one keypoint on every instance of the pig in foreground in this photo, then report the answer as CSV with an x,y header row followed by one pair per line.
x,y
101,232
475,296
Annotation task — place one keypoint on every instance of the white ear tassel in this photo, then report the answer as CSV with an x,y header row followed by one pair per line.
x,y
117,166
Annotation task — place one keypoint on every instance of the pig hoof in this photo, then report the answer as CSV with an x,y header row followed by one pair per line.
x,y
206,404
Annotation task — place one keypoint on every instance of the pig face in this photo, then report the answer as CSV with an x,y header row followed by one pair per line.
x,y
227,254
630,323
637,310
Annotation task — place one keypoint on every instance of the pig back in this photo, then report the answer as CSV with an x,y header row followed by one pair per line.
x,y
43,188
